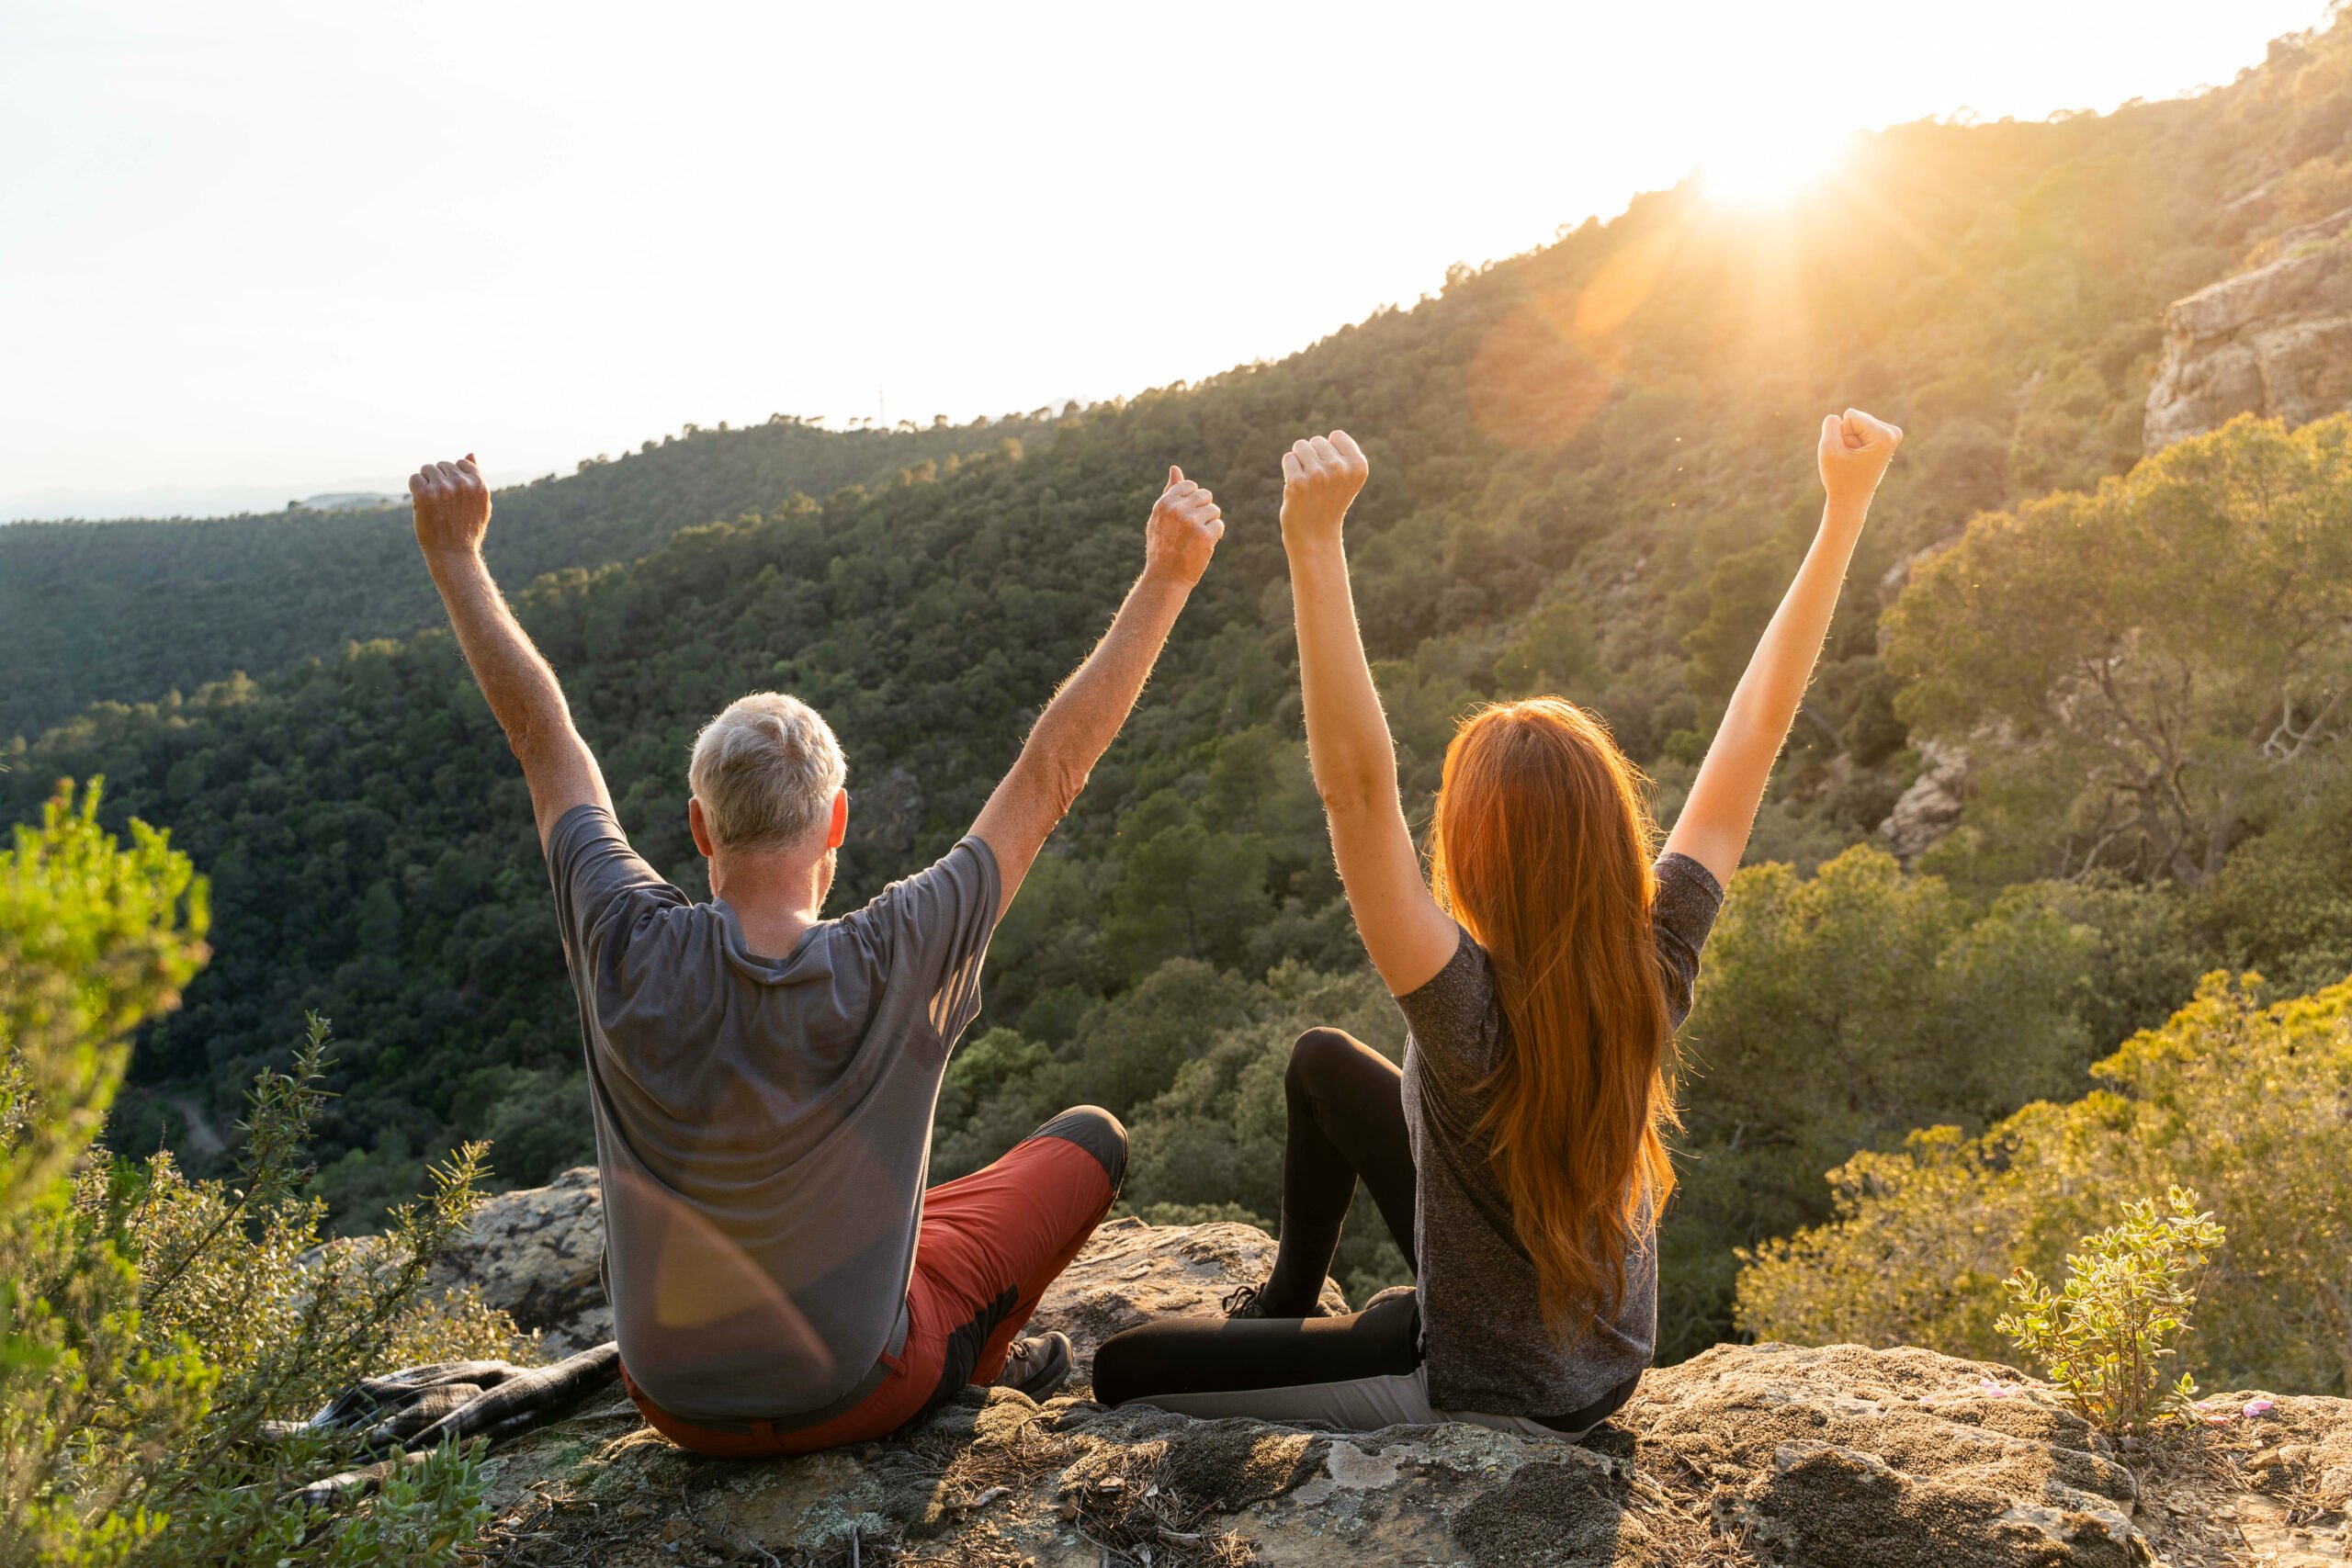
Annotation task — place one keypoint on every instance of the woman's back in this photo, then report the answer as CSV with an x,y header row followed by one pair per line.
x,y
1487,1345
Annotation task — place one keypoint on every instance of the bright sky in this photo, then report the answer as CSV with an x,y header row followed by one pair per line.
x,y
250,251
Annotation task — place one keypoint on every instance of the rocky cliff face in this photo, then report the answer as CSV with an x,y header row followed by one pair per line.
x,y
1838,1457
2274,341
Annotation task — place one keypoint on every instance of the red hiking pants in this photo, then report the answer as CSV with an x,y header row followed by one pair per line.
x,y
989,1245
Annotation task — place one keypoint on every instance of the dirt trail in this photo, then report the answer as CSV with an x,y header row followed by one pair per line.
x,y
204,1139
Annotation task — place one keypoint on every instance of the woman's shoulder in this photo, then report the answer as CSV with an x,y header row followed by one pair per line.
x,y
1457,1005
1689,897
1683,885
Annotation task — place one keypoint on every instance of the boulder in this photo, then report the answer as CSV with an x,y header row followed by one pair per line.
x,y
1927,810
2273,341
540,1255
1835,1456
1838,1456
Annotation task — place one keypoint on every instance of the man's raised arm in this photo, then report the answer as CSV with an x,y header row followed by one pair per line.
x,y
452,514
1084,718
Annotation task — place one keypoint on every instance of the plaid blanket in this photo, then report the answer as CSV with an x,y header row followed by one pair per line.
x,y
402,1415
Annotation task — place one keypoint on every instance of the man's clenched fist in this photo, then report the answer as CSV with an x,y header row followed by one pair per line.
x,y
1855,451
1320,476
452,507
1184,528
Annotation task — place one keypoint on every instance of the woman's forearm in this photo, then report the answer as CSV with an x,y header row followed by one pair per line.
x,y
1408,937
1716,821
1348,742
1764,703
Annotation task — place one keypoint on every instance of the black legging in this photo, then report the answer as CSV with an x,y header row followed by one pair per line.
x,y
1345,1110
1345,1107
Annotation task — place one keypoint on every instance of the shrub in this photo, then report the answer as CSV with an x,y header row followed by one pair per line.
x,y
2103,1339
2250,1105
159,1336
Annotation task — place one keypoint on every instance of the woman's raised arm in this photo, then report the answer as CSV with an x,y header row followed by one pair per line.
x,y
1714,827
1409,937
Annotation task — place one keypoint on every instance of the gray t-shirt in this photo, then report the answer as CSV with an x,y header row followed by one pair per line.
x,y
1487,1346
763,1124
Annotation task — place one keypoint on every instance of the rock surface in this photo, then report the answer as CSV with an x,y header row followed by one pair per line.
x,y
1838,1457
539,1253
1924,813
2274,341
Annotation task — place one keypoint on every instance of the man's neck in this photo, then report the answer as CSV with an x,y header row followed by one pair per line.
x,y
775,897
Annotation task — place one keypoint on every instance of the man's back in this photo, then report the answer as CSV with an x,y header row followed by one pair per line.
x,y
763,1124
781,1282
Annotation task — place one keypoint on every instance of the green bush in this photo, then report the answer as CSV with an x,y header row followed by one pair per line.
x,y
158,1335
2103,1340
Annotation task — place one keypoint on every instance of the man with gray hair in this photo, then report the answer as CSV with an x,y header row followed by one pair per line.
x,y
764,1079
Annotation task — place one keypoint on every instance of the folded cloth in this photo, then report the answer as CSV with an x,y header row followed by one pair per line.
x,y
421,1407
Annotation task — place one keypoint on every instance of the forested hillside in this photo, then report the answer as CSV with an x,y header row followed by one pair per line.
x,y
1593,473
127,611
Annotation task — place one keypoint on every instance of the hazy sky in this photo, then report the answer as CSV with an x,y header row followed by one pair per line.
x,y
249,251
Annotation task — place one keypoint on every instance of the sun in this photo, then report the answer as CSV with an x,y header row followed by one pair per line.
x,y
1763,165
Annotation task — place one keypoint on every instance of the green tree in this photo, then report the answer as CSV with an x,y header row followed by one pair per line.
x,y
2160,656
1832,1015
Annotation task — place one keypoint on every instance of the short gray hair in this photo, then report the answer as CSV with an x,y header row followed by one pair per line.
x,y
766,771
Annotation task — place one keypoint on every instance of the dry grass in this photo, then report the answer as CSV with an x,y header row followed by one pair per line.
x,y
1125,1501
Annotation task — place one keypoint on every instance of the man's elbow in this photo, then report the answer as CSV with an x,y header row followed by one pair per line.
x,y
536,741
1053,776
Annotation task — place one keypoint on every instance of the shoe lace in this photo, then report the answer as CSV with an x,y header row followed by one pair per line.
x,y
1238,1299
1019,1351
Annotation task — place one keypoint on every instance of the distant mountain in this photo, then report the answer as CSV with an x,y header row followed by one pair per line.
x,y
88,503
123,610
347,500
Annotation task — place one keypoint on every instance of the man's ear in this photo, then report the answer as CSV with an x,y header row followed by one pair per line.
x,y
700,829
838,828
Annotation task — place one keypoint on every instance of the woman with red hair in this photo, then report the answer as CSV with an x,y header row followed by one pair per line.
x,y
1541,969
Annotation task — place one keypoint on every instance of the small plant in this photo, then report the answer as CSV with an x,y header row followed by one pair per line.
x,y
2102,1340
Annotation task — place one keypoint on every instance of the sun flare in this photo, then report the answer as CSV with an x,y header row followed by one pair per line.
x,y
1762,166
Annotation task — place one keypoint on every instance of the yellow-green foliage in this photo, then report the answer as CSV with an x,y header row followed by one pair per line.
x,y
2250,1105
152,1329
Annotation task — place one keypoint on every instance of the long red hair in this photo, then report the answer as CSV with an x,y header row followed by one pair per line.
x,y
1542,851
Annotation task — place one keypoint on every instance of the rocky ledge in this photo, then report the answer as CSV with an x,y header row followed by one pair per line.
x,y
2273,341
1838,1456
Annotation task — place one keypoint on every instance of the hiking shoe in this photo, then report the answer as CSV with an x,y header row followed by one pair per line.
x,y
1248,1301
1037,1366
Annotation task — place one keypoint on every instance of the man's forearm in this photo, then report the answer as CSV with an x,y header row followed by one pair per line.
x,y
1086,714
521,688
